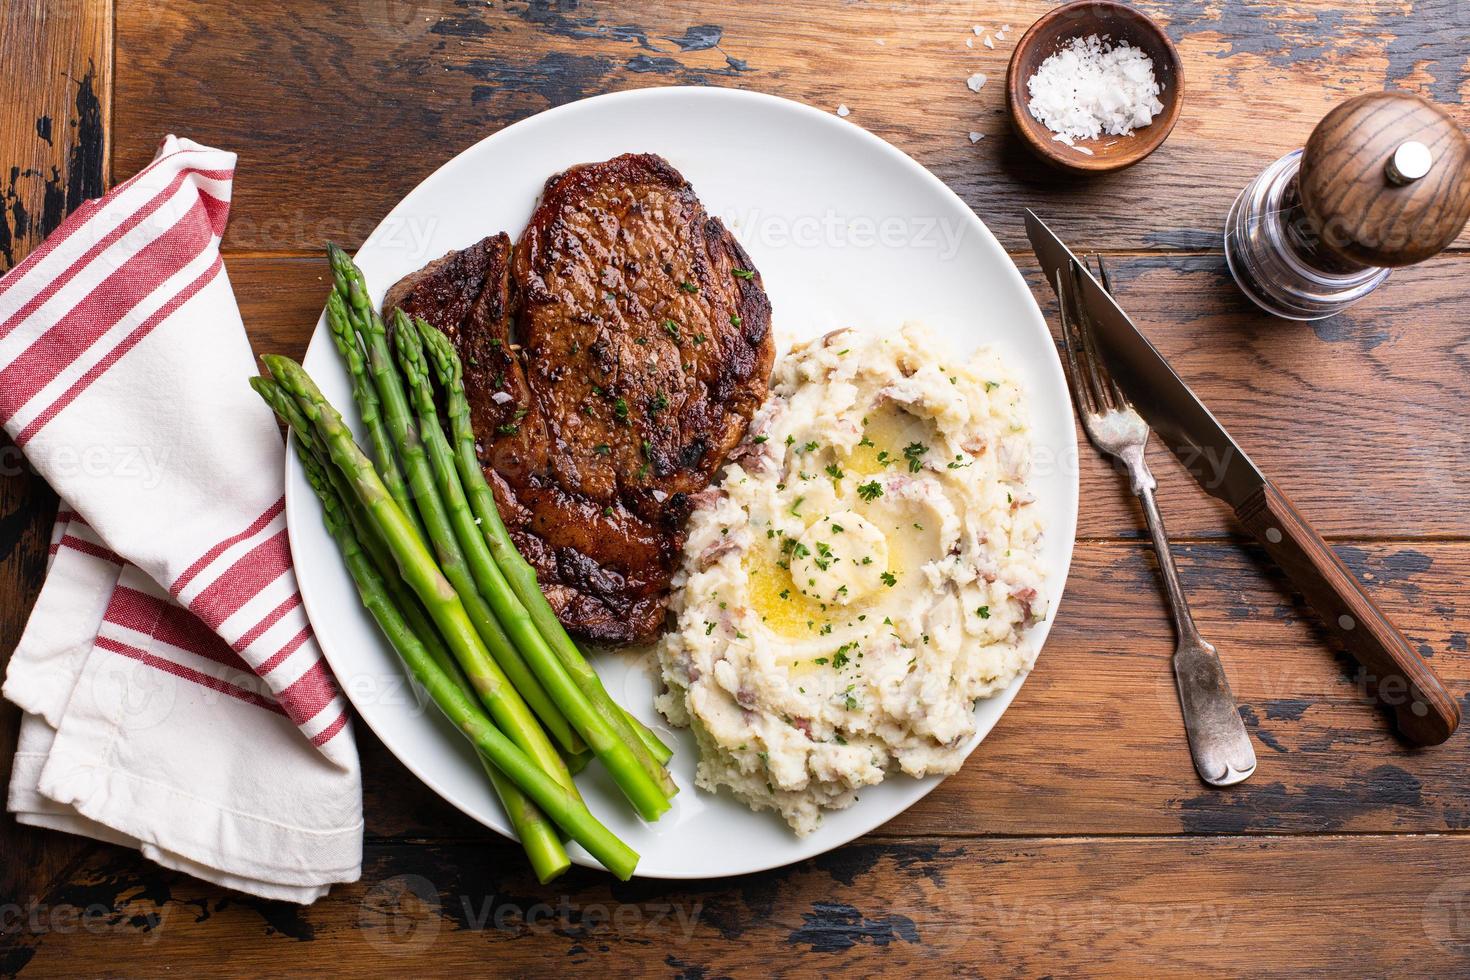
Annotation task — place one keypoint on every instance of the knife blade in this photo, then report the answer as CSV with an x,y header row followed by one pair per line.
x,y
1394,672
1172,411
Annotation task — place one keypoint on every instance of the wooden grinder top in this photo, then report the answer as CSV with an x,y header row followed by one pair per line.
x,y
1378,198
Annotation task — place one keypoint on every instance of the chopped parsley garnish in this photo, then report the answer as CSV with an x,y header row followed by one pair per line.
x,y
688,287
992,385
870,490
759,439
746,274
672,328
835,471
508,429
889,579
914,453
658,402
620,407
602,449
840,658
734,319
983,612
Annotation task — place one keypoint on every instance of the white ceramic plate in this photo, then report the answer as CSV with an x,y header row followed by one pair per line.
x,y
846,231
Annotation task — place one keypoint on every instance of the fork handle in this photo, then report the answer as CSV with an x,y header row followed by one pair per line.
x,y
1424,710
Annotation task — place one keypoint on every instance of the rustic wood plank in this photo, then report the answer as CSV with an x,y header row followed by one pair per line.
x,y
56,70
56,73
1354,417
337,112
1118,906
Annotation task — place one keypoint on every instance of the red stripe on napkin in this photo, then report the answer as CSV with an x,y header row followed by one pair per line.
x,y
111,358
111,238
188,674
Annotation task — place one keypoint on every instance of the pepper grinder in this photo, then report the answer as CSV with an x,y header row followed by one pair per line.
x,y
1384,181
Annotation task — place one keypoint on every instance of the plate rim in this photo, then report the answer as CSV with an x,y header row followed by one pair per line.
x,y
926,785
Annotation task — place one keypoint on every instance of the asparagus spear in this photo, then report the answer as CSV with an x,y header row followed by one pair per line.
x,y
516,569
537,835
418,569
615,752
285,406
441,537
347,343
512,768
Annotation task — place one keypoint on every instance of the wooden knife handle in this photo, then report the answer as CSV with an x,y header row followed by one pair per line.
x,y
1424,710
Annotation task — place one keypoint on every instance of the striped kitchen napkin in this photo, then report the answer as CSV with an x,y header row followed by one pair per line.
x,y
175,698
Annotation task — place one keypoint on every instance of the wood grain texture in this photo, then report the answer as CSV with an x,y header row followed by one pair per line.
x,y
339,110
913,906
55,71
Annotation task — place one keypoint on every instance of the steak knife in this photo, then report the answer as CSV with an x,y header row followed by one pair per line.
x,y
1424,711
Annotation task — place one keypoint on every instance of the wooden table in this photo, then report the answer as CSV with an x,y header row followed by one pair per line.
x,y
1077,839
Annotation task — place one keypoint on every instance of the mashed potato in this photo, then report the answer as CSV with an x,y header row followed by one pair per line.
x,y
866,570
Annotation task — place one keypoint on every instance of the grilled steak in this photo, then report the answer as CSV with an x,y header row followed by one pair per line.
x,y
612,363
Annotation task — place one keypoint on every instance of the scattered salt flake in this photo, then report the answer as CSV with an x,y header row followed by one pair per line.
x,y
976,81
500,397
1004,28
660,496
879,41
978,30
843,111
969,42
976,137
1082,149
989,42
1062,138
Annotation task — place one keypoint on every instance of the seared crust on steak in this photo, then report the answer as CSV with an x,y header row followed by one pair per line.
x,y
639,350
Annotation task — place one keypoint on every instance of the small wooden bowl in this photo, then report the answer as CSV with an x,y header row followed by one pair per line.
x,y
1113,22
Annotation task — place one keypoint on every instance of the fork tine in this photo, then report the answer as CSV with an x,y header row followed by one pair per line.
x,y
1102,273
1119,399
1080,388
1089,347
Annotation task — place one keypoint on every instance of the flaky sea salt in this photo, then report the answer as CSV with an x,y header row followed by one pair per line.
x,y
976,137
976,81
843,111
1090,87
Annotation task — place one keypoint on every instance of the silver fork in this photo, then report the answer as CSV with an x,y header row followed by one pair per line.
x,y
1217,738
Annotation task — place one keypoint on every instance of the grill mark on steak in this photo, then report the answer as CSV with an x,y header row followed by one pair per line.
x,y
633,358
